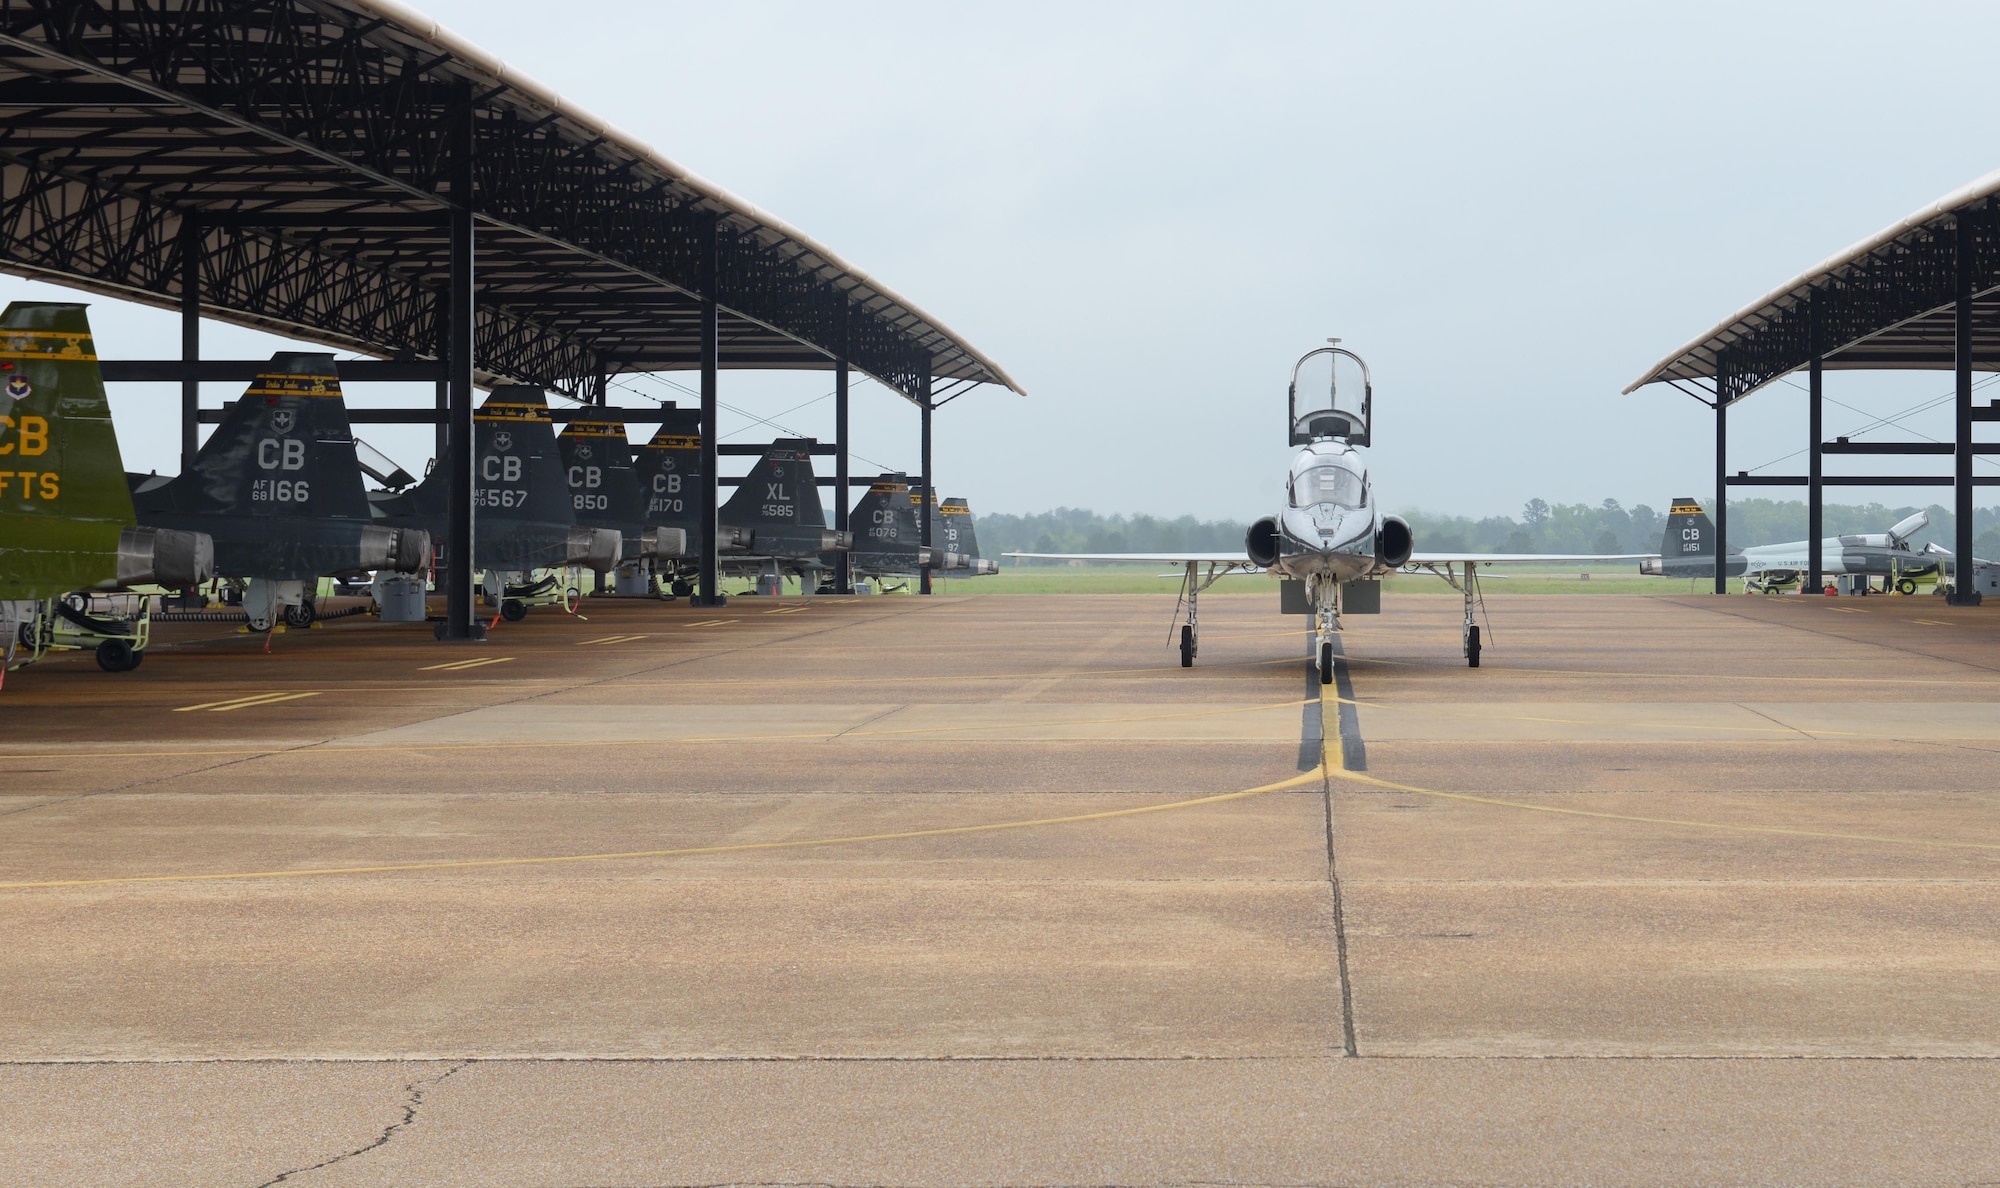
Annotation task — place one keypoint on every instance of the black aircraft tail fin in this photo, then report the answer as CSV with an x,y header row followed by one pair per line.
x,y
952,531
1689,535
779,498
882,519
284,449
669,469
597,462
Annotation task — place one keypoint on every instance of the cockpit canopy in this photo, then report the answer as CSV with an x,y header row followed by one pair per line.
x,y
1316,404
1321,479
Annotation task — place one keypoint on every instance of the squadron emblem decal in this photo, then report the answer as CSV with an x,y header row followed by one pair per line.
x,y
583,451
18,388
503,442
282,420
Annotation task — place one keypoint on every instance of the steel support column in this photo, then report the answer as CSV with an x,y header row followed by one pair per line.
x,y
1815,479
190,340
461,621
1721,486
709,591
1963,592
929,488
443,384
843,572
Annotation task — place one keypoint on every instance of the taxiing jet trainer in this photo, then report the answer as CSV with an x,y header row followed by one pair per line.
x,y
1331,538
278,487
66,518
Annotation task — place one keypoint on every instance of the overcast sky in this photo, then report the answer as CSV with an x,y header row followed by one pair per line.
x,y
1145,213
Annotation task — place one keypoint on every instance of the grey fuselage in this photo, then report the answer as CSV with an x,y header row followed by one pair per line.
x,y
1331,522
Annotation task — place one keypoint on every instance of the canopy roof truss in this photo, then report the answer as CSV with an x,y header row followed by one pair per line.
x,y
301,151
1887,303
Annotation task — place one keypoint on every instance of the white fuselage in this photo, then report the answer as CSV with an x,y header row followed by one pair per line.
x,y
1330,524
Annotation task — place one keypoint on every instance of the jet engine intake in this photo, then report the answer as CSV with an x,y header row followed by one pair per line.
x,y
162,557
1393,542
664,542
1261,542
398,550
595,548
835,542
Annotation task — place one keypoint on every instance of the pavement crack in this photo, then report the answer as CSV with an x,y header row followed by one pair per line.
x,y
1347,1040
413,1101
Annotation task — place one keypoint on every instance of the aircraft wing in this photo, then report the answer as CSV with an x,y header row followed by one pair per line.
x,y
1148,558
1523,558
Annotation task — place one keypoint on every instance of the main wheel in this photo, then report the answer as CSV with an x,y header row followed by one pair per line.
x,y
115,655
1906,586
1326,663
683,589
1187,645
1472,646
302,615
513,610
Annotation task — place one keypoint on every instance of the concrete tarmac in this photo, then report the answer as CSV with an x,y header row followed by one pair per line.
x,y
989,890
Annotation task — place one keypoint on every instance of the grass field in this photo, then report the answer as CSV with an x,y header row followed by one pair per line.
x,y
1155,579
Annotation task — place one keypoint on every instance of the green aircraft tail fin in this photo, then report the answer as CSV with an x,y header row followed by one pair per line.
x,y
63,498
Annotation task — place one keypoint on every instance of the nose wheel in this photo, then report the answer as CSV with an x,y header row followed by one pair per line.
x,y
1326,663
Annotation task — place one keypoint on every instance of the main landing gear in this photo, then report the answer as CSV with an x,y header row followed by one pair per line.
x,y
1191,587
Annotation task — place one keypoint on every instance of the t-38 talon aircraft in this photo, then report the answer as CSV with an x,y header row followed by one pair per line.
x,y
522,518
66,522
279,488
951,528
1331,542
604,493
1687,549
776,512
885,535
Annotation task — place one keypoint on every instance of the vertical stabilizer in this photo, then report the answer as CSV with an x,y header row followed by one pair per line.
x,y
283,450
1689,535
883,520
63,495
669,471
778,501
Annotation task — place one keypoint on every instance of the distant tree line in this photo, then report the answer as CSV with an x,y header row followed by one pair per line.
x,y
1541,527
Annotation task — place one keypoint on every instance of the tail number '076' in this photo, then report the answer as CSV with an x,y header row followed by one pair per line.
x,y
280,491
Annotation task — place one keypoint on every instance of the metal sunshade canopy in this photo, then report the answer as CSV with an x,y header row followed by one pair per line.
x,y
1886,303
299,152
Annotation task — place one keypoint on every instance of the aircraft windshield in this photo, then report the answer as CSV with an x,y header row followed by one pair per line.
x,y
1327,484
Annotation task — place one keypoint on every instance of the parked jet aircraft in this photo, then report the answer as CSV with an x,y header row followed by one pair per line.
x,y
886,538
604,492
279,489
1332,538
772,524
66,521
522,518
1687,549
951,529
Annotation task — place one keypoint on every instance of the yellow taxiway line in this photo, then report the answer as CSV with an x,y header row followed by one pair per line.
x,y
256,699
462,665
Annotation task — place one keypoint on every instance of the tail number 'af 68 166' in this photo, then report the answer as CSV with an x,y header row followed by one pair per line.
x,y
280,491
